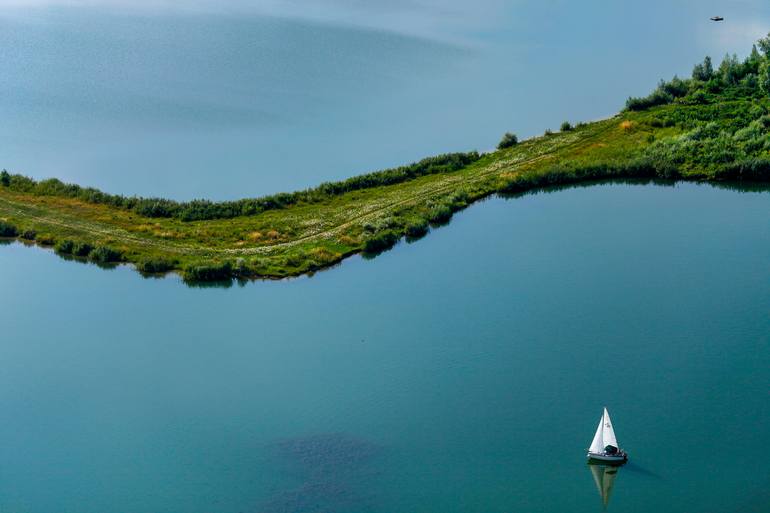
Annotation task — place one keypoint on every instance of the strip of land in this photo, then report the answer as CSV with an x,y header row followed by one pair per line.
x,y
716,129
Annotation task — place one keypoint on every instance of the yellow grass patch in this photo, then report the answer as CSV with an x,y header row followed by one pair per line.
x,y
325,255
627,125
347,239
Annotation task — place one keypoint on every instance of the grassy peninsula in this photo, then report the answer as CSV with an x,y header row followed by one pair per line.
x,y
713,126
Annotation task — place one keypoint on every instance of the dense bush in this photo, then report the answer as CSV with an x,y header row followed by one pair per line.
x,y
8,230
82,249
656,98
703,72
731,70
763,77
203,210
440,214
417,229
208,272
676,87
754,170
381,241
698,97
507,141
105,255
64,247
28,235
566,126
5,178
155,265
45,239
665,93
573,173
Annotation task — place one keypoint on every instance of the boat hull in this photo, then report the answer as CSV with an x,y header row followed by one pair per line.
x,y
608,459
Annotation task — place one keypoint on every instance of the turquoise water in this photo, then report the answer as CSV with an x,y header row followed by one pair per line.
x,y
462,373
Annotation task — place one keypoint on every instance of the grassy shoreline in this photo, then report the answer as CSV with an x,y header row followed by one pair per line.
x,y
306,238
714,127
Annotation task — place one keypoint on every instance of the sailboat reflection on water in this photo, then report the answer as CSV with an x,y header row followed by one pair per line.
x,y
604,477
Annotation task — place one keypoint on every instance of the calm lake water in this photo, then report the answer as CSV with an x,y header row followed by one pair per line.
x,y
462,373
185,104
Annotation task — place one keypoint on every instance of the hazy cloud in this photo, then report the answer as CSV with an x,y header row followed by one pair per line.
x,y
737,35
451,20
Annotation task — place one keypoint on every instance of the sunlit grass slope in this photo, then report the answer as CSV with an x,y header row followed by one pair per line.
x,y
713,127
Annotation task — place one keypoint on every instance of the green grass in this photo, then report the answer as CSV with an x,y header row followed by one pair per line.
x,y
717,136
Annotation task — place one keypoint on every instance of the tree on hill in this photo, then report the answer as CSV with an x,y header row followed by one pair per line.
x,y
731,70
703,71
764,77
507,141
764,45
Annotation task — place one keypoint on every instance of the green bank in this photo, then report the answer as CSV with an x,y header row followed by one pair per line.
x,y
713,126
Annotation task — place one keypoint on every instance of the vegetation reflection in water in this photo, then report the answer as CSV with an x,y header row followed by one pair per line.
x,y
229,281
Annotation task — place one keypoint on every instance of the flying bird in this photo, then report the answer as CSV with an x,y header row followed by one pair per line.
x,y
717,18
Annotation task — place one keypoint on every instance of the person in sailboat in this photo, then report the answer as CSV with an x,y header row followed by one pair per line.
x,y
604,446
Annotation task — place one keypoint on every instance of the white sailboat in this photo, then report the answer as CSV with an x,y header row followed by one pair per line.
x,y
604,446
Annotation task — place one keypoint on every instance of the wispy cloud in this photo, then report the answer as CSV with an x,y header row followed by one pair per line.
x,y
440,19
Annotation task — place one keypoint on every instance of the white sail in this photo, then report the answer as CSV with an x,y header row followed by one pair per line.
x,y
608,432
597,445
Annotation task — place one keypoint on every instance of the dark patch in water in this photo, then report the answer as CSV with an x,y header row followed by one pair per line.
x,y
333,469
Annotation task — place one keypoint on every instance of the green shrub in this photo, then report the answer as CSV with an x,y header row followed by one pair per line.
x,y
754,170
296,259
5,178
507,141
82,249
198,210
417,229
703,72
750,81
699,97
64,247
440,214
28,235
381,241
730,70
155,265
763,77
676,87
105,255
566,126
8,230
208,272
45,239
657,97
548,131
